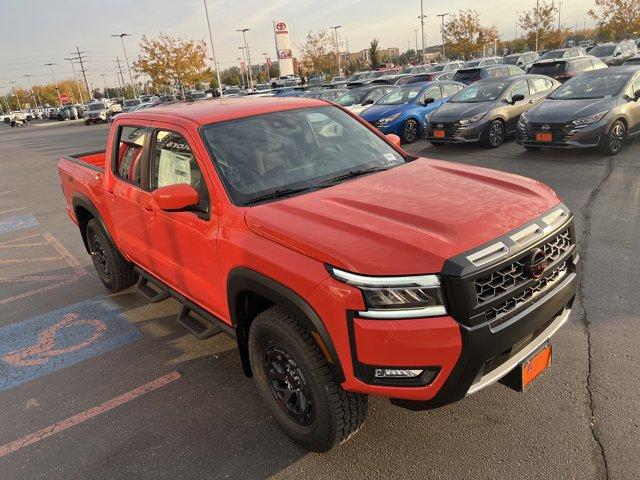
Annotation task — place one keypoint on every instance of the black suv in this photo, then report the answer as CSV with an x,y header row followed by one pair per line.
x,y
615,54
565,69
470,75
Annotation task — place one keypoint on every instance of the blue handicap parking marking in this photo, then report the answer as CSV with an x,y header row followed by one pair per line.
x,y
17,223
46,343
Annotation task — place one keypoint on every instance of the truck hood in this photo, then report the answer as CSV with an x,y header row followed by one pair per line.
x,y
407,220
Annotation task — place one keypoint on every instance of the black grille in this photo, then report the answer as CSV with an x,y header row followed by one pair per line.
x,y
512,276
560,132
451,129
499,312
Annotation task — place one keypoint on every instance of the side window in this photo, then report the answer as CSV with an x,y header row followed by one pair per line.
x,y
520,88
433,92
636,85
450,89
173,162
374,95
586,65
538,85
128,162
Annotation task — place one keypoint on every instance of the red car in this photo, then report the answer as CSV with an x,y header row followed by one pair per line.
x,y
342,265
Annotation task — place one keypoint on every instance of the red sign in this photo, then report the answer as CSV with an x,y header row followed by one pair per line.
x,y
64,98
281,27
268,62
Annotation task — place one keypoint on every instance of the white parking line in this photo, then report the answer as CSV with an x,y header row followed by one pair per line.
x,y
13,210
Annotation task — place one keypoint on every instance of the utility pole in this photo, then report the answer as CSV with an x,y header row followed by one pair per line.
x,y
442,15
335,32
121,77
213,51
246,47
126,61
537,24
75,79
79,58
33,94
50,65
15,94
422,16
104,81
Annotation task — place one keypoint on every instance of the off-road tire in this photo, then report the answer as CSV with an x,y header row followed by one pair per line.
x,y
337,413
114,271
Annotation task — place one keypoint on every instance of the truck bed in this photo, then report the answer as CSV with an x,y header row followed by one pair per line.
x,y
92,160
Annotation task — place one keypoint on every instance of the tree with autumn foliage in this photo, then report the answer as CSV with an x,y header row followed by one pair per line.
x,y
173,61
617,18
465,36
544,21
319,52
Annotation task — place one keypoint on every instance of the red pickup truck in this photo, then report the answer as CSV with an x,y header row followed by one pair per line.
x,y
342,265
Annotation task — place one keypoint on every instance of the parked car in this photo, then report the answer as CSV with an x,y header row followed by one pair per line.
x,y
522,60
428,77
329,95
615,54
633,61
564,69
68,112
96,112
402,111
358,99
338,79
414,69
480,62
487,111
128,104
348,267
399,79
470,75
596,109
564,53
445,67
315,80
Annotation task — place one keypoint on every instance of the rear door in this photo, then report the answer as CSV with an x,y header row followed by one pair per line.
x,y
183,244
521,87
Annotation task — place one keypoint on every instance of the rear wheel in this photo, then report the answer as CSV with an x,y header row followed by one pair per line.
x,y
495,134
295,381
615,139
115,272
410,131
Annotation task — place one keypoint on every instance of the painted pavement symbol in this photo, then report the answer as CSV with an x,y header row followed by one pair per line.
x,y
55,340
18,222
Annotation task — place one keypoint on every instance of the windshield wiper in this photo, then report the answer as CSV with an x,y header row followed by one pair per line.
x,y
353,174
286,192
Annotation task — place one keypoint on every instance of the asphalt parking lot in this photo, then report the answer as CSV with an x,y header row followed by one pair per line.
x,y
108,386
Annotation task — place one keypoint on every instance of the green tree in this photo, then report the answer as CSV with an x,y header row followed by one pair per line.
x,y
231,76
374,54
319,52
617,18
465,36
544,22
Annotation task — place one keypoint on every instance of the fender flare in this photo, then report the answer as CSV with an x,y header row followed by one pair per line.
x,y
244,279
80,200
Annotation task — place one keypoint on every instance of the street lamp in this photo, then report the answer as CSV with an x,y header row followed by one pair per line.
x,y
244,62
126,60
213,52
246,47
422,16
335,31
50,65
33,93
442,15
241,62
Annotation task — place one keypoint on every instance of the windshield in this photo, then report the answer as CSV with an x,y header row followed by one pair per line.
x,y
551,68
552,54
293,149
132,102
481,92
94,106
400,96
351,97
602,50
591,87
510,60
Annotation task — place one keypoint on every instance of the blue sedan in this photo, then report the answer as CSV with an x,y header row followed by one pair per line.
x,y
403,110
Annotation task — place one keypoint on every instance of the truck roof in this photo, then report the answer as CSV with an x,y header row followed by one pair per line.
x,y
219,110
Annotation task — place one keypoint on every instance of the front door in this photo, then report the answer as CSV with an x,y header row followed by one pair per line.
x,y
182,244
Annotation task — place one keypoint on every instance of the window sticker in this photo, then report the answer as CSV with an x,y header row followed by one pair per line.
x,y
173,168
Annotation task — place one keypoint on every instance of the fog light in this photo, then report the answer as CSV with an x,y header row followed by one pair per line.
x,y
397,373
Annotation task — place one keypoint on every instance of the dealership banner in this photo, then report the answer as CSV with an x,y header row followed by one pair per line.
x,y
283,45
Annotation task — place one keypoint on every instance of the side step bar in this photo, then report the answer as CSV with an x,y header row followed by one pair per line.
x,y
195,319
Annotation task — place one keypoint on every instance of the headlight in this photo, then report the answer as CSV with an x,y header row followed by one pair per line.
x,y
397,297
474,119
385,120
523,120
590,119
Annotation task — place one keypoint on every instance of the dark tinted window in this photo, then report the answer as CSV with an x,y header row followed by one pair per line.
x,y
550,68
468,75
129,153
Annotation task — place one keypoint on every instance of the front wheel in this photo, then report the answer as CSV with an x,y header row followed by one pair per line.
x,y
295,381
615,139
495,134
410,131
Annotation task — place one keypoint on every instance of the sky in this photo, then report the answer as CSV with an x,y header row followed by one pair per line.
x,y
35,32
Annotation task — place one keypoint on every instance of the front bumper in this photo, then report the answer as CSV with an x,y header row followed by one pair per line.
x,y
564,135
456,133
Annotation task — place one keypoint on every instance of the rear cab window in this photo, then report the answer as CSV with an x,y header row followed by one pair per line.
x,y
129,153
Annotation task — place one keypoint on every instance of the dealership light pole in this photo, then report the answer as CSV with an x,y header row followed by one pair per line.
x,y
33,93
335,31
442,15
422,16
75,79
126,61
537,23
50,65
246,47
213,52
244,62
241,62
15,94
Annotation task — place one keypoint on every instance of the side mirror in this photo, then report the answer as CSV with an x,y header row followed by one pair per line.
x,y
427,101
368,102
395,139
517,98
176,197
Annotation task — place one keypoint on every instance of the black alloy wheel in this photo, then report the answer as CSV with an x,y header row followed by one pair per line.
x,y
495,134
98,254
410,131
616,138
